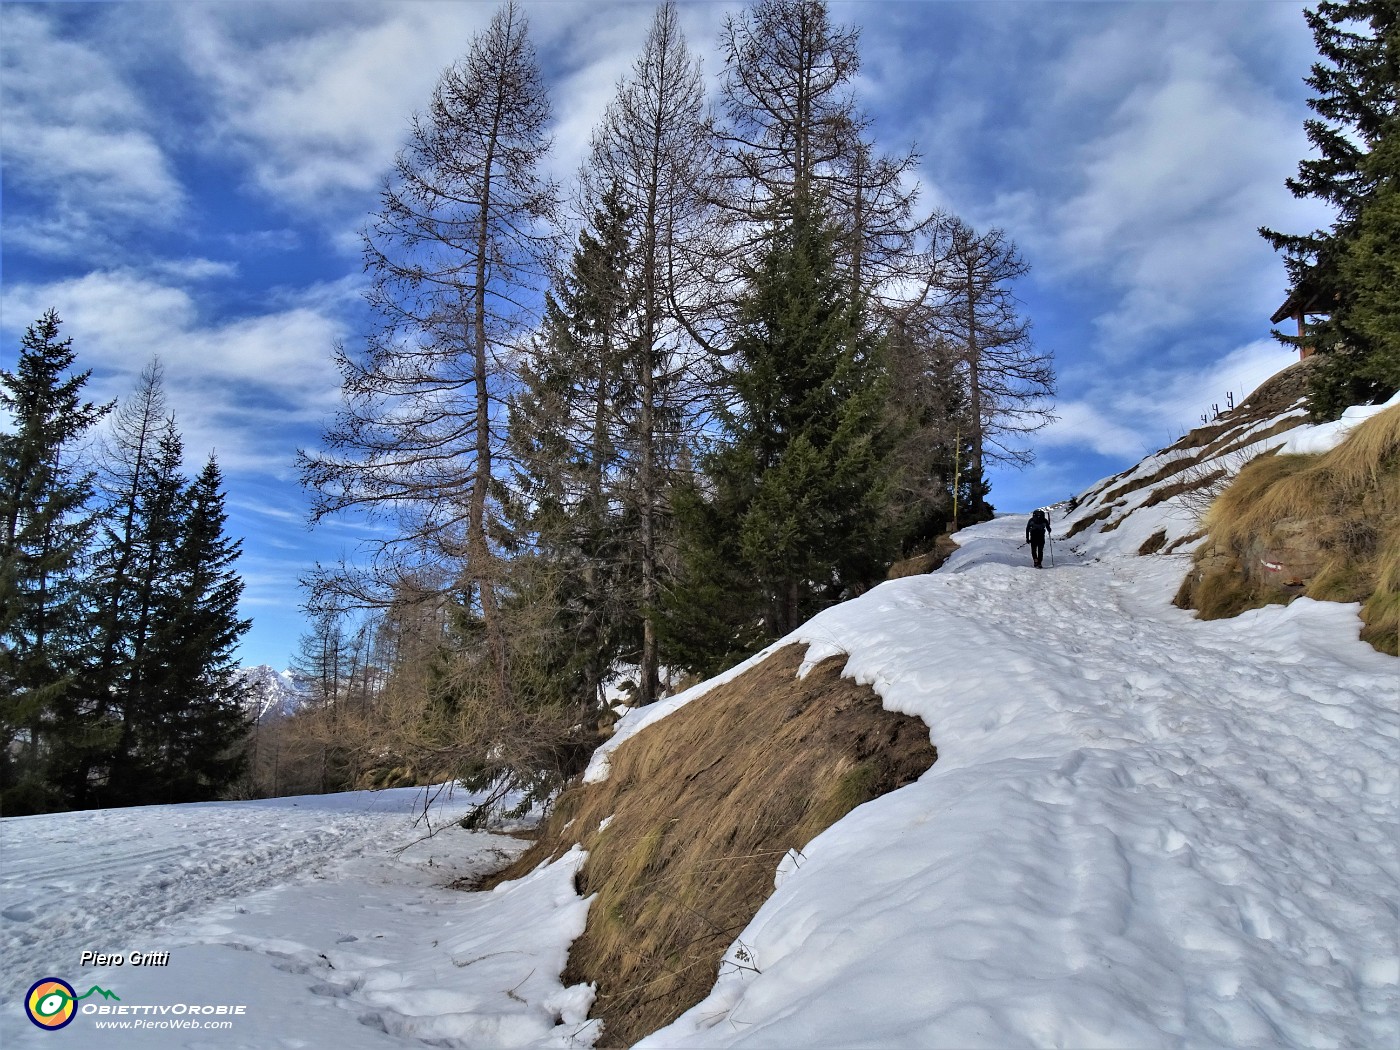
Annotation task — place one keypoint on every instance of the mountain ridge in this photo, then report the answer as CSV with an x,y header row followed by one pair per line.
x,y
271,694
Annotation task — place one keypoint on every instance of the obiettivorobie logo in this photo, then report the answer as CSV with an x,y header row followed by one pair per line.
x,y
52,1002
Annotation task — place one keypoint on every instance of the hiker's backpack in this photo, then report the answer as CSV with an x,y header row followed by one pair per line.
x,y
1039,522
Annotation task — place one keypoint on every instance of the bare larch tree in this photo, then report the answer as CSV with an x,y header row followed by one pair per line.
x,y
456,255
1008,381
792,128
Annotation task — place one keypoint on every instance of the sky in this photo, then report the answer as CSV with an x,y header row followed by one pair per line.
x,y
189,180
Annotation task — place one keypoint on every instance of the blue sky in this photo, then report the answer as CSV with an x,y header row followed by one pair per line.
x,y
189,180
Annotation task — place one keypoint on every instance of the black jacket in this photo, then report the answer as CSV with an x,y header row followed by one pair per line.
x,y
1037,527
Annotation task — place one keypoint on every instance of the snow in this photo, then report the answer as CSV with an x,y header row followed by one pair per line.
x,y
1327,436
1143,830
303,911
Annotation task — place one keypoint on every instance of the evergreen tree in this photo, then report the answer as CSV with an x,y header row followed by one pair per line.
x,y
141,760
567,430
801,480
1370,272
45,527
1347,272
192,690
929,409
140,485
166,596
653,152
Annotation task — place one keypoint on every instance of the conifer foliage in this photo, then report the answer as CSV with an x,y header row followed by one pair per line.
x,y
120,601
47,523
800,513
1348,274
575,485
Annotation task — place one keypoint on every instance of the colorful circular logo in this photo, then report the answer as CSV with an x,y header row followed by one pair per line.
x,y
51,1003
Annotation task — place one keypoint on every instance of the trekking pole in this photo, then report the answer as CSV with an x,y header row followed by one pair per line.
x,y
1052,550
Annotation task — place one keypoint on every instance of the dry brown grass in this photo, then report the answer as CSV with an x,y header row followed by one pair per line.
x,y
1183,541
1196,482
1198,461
1083,523
1163,472
1153,543
1227,448
1328,524
943,547
704,804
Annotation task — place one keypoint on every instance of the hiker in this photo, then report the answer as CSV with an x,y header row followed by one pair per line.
x,y
1036,531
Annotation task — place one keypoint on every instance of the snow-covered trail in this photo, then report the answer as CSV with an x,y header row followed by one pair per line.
x,y
1142,829
91,880
327,920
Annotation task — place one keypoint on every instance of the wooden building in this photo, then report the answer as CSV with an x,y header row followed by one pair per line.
x,y
1299,306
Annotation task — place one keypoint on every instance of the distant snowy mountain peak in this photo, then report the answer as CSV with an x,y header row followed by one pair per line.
x,y
271,693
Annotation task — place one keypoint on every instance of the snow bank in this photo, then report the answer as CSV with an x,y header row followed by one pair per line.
x,y
1142,830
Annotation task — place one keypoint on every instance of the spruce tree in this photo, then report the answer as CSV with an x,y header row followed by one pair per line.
x,y
653,153
568,430
801,478
1370,272
1347,273
45,527
166,597
141,759
929,410
192,687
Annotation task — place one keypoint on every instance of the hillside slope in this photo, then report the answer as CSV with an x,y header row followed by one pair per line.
x,y
1142,829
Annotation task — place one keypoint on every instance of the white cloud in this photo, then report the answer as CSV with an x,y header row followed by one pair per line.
x,y
195,269
1130,419
1172,195
76,136
242,386
590,49
1131,150
1085,425
1169,187
319,109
